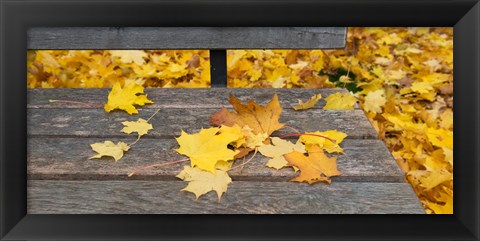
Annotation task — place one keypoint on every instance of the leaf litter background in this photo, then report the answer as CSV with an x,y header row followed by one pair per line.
x,y
402,78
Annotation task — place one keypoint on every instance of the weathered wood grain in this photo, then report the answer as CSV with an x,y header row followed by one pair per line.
x,y
169,122
160,197
66,159
186,38
177,98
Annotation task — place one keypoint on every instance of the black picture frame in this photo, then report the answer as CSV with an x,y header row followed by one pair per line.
x,y
18,16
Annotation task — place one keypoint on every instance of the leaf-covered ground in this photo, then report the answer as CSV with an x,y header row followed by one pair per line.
x,y
402,77
102,69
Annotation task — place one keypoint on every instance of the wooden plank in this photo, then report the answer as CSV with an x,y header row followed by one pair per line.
x,y
177,98
169,122
66,159
165,197
186,38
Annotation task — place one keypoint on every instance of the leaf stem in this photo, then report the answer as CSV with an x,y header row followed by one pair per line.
x,y
157,165
135,142
153,115
243,164
75,102
307,134
291,128
244,160
348,73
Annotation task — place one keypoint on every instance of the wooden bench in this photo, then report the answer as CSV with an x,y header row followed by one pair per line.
x,y
62,180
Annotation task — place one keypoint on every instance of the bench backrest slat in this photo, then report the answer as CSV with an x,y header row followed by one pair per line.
x,y
186,38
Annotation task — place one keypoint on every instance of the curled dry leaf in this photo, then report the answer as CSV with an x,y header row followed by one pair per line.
x,y
308,104
109,148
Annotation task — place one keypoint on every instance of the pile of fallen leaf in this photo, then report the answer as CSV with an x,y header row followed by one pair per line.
x,y
402,77
213,151
104,68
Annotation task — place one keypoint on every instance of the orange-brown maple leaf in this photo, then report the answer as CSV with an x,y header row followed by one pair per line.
x,y
262,119
317,167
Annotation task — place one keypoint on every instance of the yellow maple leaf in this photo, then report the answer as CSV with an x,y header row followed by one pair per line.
x,y
446,208
246,139
317,167
448,155
145,70
174,68
277,162
374,101
161,59
262,119
298,65
277,149
255,140
445,197
233,57
392,38
434,64
440,137
237,131
446,119
254,74
422,87
109,148
429,179
224,165
138,81
140,126
340,101
126,98
50,63
392,76
308,104
201,182
207,147
174,71
434,78
382,61
129,56
310,140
